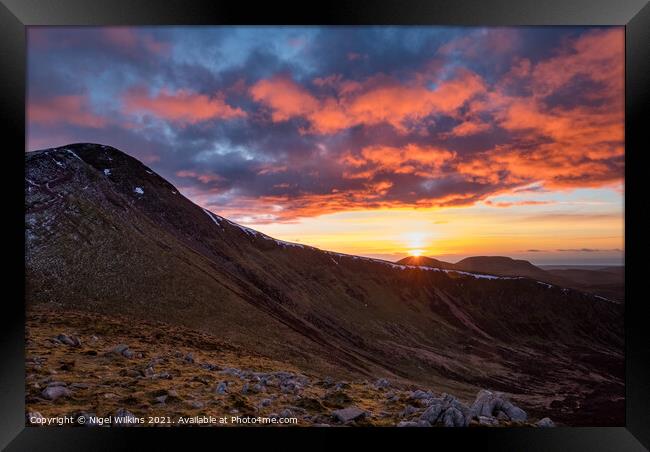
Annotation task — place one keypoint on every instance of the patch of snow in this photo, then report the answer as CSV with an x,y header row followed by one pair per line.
x,y
73,154
174,193
213,217
107,172
138,190
58,163
607,299
149,172
548,286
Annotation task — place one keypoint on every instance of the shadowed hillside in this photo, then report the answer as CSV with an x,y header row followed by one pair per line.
x,y
105,234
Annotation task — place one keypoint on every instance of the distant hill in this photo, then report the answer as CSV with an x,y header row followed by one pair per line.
x,y
606,281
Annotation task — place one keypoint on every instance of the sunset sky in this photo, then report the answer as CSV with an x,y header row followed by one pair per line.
x,y
379,141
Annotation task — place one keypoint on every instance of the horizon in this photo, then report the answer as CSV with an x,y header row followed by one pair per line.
x,y
383,142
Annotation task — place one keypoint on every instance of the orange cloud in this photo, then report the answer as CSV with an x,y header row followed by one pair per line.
x,y
202,177
181,106
378,100
411,159
66,109
561,143
516,203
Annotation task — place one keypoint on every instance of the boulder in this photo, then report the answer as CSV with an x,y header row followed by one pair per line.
x,y
490,404
56,392
382,383
222,387
488,421
124,418
408,411
420,394
419,423
452,417
349,414
72,341
545,422
433,411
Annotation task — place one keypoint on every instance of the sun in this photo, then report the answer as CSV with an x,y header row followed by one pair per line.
x,y
416,253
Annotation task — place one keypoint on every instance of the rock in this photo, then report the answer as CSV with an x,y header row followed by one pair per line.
x,y
161,399
119,349
72,341
513,412
420,394
342,385
545,423
196,404
124,418
164,376
453,418
149,372
221,388
56,383
419,423
172,394
265,402
409,410
231,371
488,421
189,358
80,385
209,366
382,383
491,404
123,349
286,413
259,387
320,425
433,411
244,388
56,392
349,414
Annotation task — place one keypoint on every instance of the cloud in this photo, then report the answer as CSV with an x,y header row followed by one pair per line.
x,y
320,120
374,101
588,250
65,109
182,106
516,203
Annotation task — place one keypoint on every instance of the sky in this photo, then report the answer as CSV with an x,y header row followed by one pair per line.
x,y
378,141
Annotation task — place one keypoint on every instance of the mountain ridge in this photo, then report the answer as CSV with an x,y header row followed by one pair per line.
x,y
105,234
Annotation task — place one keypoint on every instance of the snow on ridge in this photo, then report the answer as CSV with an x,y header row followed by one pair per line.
x,y
213,217
607,299
107,172
74,154
138,190
255,233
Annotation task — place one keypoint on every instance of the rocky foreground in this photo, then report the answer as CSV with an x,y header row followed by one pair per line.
x,y
106,371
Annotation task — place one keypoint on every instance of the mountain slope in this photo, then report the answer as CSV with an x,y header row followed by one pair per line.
x,y
106,234
607,282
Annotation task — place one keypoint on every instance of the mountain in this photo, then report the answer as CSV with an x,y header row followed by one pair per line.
x,y
427,262
107,235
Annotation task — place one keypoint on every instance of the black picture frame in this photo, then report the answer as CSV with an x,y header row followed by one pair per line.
x,y
16,15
